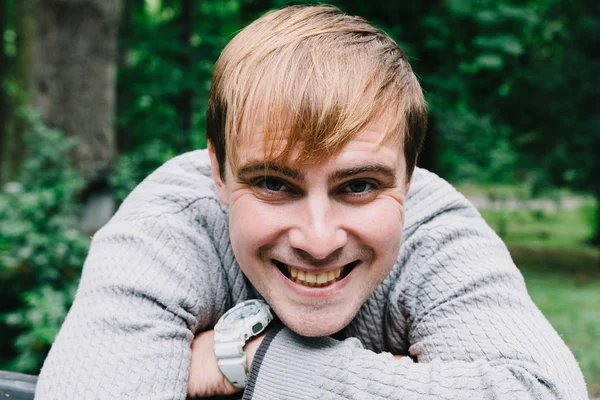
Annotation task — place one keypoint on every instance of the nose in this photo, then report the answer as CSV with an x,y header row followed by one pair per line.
x,y
317,231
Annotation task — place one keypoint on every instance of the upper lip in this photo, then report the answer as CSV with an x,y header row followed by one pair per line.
x,y
313,269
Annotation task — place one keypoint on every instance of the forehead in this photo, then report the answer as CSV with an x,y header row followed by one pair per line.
x,y
365,151
284,142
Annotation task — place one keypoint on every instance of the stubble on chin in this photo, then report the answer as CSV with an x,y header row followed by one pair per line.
x,y
313,319
316,325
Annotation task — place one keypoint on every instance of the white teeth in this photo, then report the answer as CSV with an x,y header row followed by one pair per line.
x,y
312,279
322,278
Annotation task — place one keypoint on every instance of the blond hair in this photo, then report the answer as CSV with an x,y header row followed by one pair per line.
x,y
315,77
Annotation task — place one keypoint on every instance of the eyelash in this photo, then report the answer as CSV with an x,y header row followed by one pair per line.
x,y
262,182
289,189
370,184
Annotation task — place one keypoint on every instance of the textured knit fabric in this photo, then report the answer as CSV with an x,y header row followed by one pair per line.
x,y
163,268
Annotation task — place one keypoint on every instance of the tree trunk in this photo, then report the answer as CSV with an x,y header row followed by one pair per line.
x,y
75,62
24,78
15,122
75,55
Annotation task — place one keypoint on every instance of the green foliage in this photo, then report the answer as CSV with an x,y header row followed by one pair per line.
x,y
41,251
477,44
9,42
553,109
477,149
159,66
135,166
157,69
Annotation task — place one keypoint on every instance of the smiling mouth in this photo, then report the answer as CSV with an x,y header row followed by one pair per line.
x,y
312,279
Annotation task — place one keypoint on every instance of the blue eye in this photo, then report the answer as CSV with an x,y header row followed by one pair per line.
x,y
358,187
274,185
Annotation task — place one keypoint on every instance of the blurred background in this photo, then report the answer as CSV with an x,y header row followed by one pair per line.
x,y
96,94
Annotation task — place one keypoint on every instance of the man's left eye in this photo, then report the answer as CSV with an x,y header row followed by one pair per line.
x,y
358,187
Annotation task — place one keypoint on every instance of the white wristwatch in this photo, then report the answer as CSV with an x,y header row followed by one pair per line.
x,y
235,327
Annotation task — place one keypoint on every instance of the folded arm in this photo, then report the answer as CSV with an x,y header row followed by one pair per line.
x,y
154,275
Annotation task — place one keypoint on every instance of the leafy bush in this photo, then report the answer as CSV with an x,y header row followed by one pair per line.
x,y
474,148
41,250
134,166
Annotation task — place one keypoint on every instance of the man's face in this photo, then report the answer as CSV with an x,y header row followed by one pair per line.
x,y
317,239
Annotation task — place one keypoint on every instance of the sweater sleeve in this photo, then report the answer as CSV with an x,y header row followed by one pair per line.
x,y
471,330
153,276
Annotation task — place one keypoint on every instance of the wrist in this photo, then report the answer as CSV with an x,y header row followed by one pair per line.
x,y
251,347
235,343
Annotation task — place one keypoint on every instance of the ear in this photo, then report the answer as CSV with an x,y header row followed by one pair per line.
x,y
216,175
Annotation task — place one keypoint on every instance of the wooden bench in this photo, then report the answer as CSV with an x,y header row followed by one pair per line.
x,y
14,386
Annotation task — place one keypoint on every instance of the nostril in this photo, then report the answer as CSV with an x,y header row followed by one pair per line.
x,y
318,243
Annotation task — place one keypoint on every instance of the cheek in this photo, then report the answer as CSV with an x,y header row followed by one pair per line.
x,y
380,225
252,224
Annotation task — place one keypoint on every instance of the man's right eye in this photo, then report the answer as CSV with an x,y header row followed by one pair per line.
x,y
273,184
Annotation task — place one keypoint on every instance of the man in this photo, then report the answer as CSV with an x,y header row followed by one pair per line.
x,y
315,122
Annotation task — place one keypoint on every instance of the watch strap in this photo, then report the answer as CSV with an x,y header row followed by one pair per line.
x,y
229,344
232,361
235,370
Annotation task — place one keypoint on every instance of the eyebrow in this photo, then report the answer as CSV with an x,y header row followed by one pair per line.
x,y
375,168
254,167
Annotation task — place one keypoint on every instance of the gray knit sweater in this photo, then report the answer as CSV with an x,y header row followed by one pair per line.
x,y
163,268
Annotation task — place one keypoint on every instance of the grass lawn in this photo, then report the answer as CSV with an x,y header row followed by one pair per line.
x,y
561,271
557,229
571,302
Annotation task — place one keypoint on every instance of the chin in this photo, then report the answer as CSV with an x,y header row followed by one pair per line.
x,y
319,325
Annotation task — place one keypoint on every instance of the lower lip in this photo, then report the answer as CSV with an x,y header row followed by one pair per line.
x,y
317,292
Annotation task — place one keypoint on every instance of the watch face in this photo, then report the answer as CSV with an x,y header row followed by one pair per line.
x,y
237,318
242,313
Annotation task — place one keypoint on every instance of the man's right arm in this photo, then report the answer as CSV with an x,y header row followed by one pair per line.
x,y
154,275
